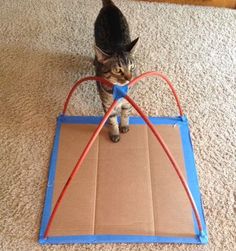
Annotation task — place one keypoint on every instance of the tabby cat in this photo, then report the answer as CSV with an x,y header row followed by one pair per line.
x,y
114,62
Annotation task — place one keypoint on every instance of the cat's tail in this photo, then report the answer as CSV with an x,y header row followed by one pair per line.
x,y
107,2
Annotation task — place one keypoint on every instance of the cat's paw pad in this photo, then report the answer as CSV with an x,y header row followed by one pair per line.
x,y
115,138
124,129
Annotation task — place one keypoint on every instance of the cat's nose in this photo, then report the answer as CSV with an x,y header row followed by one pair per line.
x,y
128,76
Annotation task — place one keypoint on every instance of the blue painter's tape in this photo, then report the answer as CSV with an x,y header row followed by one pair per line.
x,y
51,179
199,238
119,91
91,120
192,174
95,239
80,119
203,237
184,118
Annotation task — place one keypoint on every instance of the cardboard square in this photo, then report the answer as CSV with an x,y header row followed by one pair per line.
x,y
124,192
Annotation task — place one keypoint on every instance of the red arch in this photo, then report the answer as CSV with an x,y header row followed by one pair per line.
x,y
96,132
158,74
80,81
172,160
132,83
78,165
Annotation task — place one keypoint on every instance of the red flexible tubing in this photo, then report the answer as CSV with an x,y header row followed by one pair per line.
x,y
78,165
77,83
171,158
132,83
154,73
92,139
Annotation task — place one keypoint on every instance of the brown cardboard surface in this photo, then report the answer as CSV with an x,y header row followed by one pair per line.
x,y
124,200
172,210
128,188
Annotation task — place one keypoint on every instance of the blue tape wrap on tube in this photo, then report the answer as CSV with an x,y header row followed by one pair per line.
x,y
120,91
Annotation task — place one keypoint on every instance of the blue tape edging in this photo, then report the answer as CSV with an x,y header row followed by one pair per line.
x,y
191,177
133,120
95,239
51,178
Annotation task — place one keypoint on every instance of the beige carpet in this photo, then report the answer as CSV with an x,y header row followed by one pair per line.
x,y
46,45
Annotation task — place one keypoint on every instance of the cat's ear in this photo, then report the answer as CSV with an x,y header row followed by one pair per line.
x,y
101,55
131,47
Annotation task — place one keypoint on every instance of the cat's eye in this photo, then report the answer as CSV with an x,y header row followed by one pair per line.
x,y
117,70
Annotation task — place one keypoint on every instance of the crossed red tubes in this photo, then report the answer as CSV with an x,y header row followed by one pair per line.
x,y
99,128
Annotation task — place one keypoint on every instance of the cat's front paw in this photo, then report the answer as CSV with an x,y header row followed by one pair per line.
x,y
124,129
115,138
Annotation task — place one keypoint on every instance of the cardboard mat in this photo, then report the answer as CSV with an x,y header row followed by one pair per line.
x,y
123,192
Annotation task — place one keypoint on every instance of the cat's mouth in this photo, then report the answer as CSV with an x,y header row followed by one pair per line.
x,y
123,81
120,82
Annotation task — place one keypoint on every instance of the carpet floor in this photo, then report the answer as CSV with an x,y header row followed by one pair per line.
x,y
46,45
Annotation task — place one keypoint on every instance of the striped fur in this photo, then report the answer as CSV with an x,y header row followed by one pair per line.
x,y
114,61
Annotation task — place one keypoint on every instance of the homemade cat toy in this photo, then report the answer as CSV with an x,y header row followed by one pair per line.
x,y
124,192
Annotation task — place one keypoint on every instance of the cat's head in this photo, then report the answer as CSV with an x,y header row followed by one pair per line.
x,y
117,67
